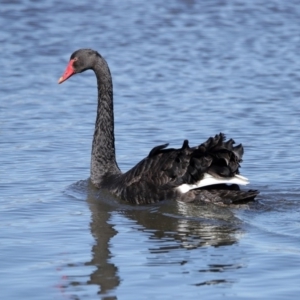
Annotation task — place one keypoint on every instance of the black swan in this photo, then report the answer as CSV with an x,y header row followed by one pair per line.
x,y
208,172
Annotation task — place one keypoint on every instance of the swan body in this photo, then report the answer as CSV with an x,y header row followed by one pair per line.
x,y
207,172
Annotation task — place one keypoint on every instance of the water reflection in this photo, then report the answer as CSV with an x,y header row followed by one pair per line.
x,y
106,273
170,226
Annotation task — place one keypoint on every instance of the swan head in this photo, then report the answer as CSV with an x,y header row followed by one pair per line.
x,y
80,61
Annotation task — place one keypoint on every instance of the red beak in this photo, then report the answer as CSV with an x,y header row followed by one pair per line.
x,y
68,73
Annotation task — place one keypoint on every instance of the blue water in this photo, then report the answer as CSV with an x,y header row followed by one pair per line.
x,y
181,69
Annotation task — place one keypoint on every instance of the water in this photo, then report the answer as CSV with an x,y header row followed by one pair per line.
x,y
181,69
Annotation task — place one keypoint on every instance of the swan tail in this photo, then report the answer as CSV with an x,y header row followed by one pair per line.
x,y
209,180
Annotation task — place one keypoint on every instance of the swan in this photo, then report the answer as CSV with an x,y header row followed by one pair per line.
x,y
208,172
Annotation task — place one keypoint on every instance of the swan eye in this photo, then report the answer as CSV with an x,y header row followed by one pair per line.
x,y
75,62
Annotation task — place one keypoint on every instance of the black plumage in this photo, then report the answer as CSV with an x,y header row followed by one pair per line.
x,y
164,170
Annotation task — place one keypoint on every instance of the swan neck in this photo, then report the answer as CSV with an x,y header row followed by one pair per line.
x,y
103,161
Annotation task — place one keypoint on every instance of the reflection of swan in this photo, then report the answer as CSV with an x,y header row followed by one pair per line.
x,y
105,275
216,226
166,229
175,174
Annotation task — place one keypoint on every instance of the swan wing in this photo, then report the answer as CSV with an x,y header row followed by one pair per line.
x,y
168,172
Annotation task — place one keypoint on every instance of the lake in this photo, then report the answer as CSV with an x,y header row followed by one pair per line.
x,y
181,69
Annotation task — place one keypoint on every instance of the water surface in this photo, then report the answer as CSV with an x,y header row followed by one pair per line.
x,y
181,70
